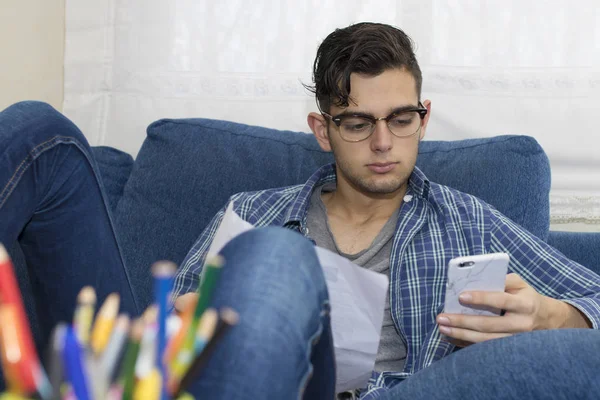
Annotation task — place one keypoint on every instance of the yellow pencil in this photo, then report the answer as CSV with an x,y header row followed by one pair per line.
x,y
12,396
104,323
148,388
84,314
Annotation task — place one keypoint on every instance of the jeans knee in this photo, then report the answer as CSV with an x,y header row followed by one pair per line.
x,y
37,122
274,242
284,253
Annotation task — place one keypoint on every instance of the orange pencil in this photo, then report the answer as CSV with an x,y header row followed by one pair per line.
x,y
28,366
178,338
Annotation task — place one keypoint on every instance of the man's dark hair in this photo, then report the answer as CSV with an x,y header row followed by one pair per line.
x,y
364,48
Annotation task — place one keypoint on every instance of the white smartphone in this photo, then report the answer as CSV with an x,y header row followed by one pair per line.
x,y
486,272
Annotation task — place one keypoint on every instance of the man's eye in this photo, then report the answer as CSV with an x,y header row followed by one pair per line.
x,y
401,121
357,127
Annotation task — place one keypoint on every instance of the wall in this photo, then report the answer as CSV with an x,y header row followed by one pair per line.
x,y
32,38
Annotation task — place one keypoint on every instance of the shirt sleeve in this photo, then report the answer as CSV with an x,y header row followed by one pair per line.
x,y
546,269
188,274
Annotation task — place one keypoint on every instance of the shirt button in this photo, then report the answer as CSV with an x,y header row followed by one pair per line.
x,y
408,198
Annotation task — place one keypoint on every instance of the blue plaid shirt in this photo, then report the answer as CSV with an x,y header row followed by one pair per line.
x,y
436,225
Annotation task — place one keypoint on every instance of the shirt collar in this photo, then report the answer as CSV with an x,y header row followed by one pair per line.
x,y
418,185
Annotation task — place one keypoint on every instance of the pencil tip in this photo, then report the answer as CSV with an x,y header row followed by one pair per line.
x,y
3,253
87,295
150,314
122,322
137,329
216,261
230,316
111,305
163,269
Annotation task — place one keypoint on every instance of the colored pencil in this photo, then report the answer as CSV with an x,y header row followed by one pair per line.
x,y
56,371
146,359
228,318
126,378
74,366
84,314
104,323
110,357
179,337
31,375
210,277
10,349
163,273
185,357
149,387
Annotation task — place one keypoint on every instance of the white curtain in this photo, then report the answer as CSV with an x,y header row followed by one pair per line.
x,y
490,67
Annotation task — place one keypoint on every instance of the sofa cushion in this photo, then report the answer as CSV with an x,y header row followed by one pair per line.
x,y
115,167
187,169
512,173
582,247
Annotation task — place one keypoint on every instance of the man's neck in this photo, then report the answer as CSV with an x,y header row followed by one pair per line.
x,y
358,208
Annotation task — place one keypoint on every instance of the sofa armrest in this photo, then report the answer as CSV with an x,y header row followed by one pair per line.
x,y
582,247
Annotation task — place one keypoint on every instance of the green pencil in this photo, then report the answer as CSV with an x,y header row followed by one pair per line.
x,y
212,270
127,372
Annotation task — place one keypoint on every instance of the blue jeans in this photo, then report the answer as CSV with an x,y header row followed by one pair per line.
x,y
51,202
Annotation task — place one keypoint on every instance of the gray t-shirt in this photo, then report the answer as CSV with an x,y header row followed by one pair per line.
x,y
392,351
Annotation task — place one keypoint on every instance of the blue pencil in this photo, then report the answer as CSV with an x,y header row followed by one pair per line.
x,y
163,272
73,362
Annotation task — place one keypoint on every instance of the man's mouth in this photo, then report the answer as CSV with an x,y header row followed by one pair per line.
x,y
382,168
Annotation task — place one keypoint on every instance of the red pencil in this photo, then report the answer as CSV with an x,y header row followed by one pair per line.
x,y
28,366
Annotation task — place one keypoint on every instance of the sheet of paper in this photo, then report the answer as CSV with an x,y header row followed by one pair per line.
x,y
357,298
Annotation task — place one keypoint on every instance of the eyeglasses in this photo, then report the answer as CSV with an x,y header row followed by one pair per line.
x,y
359,127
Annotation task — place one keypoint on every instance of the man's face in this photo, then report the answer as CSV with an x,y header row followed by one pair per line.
x,y
381,164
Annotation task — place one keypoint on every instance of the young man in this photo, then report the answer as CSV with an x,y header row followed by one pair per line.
x,y
376,208
372,206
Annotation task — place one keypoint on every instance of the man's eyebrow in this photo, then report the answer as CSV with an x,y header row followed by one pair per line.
x,y
396,110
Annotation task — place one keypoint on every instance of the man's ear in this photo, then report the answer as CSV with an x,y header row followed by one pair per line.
x,y
318,126
427,105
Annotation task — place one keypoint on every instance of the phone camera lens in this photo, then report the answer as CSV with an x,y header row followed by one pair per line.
x,y
466,264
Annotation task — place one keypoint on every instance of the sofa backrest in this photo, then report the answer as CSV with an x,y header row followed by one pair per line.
x,y
187,169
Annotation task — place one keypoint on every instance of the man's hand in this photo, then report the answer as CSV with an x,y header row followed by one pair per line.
x,y
525,310
184,301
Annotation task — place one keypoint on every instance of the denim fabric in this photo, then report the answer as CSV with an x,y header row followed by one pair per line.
x,y
583,247
187,169
114,167
272,277
51,203
554,364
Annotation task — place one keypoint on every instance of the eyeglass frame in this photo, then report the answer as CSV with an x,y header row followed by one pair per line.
x,y
337,120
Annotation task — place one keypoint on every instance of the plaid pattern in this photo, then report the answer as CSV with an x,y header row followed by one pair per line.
x,y
436,225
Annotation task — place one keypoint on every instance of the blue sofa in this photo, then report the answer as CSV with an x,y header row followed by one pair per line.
x,y
187,169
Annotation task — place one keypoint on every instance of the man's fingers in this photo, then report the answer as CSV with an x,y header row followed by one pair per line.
x,y
456,342
513,282
485,324
467,335
498,300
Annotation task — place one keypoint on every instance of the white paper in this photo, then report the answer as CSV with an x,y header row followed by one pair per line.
x,y
357,298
